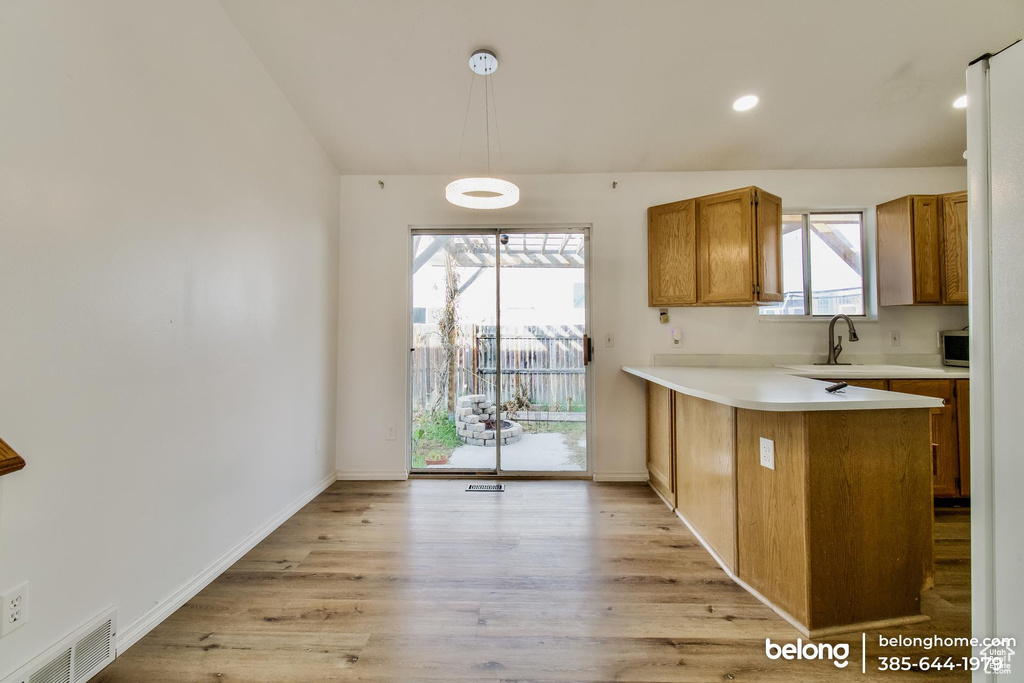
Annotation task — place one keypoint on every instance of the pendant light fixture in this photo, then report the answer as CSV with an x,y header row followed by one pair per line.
x,y
482,193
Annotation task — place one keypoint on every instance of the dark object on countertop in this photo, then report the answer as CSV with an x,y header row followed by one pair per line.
x,y
833,388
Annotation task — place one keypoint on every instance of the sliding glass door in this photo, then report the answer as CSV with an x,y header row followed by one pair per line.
x,y
499,351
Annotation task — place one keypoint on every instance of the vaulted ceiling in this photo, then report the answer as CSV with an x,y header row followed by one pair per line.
x,y
629,85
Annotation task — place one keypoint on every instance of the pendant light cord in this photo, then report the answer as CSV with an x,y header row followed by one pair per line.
x,y
462,143
497,131
489,99
487,119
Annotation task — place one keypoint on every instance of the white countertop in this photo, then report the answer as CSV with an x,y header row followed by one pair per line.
x,y
774,389
877,371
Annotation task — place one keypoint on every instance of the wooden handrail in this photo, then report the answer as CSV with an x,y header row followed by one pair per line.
x,y
9,460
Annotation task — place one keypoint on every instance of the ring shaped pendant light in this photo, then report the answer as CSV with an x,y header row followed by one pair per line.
x,y
494,193
482,193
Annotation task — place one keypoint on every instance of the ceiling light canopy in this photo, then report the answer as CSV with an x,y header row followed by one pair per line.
x,y
960,102
482,192
746,102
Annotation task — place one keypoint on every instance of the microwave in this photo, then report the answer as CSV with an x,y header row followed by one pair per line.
x,y
955,348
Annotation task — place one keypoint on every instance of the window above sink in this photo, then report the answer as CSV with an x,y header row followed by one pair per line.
x,y
823,266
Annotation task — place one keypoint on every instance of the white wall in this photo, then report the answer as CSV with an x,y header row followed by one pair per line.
x,y
374,284
168,303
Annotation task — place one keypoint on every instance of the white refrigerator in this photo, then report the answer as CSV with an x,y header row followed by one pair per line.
x,y
995,166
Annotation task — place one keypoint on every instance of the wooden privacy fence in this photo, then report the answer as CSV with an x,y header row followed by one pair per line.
x,y
544,360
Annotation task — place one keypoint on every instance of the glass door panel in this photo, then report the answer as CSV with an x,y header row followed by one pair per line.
x,y
543,316
453,401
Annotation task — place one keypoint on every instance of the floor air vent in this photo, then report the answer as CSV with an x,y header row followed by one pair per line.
x,y
77,657
496,488
57,671
93,652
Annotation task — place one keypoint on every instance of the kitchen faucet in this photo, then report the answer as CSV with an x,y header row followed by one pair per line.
x,y
834,349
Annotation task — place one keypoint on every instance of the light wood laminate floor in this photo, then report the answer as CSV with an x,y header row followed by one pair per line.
x,y
549,581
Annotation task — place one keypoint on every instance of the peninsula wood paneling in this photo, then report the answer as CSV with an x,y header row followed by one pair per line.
x,y
705,471
839,533
869,515
660,454
771,509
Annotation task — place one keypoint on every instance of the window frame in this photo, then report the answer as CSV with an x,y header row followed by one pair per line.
x,y
867,250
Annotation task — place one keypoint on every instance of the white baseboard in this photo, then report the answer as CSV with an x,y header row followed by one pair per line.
x,y
621,476
373,475
148,621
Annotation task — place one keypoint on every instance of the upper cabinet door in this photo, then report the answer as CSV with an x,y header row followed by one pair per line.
x,y
895,253
725,247
954,242
672,254
927,262
769,247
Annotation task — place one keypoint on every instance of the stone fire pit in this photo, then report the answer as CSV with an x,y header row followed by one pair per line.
x,y
476,421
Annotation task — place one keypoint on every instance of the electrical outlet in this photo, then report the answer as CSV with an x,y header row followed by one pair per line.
x,y
894,337
609,340
391,433
15,609
767,453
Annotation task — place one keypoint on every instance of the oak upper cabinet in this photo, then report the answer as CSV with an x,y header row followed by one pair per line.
x,y
723,249
922,250
954,245
672,254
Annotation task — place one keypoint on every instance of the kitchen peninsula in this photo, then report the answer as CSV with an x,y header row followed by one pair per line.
x,y
820,504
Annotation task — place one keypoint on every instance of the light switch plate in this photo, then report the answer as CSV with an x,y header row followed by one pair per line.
x,y
609,340
894,337
767,453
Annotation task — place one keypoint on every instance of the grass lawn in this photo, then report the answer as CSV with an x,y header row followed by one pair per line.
x,y
437,439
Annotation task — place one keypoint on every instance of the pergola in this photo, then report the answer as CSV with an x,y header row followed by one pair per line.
x,y
524,250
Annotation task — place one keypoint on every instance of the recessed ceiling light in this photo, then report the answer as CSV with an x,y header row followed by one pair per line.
x,y
960,102
744,103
